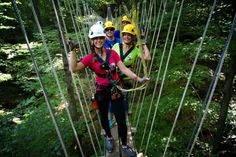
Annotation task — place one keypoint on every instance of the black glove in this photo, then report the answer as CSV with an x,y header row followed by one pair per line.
x,y
71,44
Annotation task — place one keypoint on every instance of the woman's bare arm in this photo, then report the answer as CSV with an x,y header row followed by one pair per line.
x,y
74,65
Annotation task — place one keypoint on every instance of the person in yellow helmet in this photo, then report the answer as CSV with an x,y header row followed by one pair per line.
x,y
124,20
110,39
104,64
129,52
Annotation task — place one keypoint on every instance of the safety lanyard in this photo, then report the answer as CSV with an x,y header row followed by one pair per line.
x,y
122,56
105,65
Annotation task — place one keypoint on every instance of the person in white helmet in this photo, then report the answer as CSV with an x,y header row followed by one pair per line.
x,y
103,63
99,23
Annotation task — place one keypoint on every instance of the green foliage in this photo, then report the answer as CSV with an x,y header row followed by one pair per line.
x,y
28,129
28,139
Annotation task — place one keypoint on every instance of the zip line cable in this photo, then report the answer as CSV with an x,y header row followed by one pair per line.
x,y
40,79
90,117
155,11
208,101
80,102
56,77
191,73
135,84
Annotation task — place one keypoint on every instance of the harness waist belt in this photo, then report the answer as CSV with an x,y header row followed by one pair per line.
x,y
102,86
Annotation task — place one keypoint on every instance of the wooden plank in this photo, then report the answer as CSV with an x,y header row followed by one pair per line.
x,y
116,152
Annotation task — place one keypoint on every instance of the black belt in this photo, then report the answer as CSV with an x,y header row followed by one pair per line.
x,y
102,86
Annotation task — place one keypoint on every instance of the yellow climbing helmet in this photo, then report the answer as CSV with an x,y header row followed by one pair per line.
x,y
129,28
125,18
109,24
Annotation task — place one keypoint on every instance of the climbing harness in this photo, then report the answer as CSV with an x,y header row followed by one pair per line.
x,y
108,71
122,55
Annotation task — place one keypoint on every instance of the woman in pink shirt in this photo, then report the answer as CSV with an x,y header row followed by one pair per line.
x,y
103,63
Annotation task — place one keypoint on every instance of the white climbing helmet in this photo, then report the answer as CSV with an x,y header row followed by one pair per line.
x,y
96,31
99,23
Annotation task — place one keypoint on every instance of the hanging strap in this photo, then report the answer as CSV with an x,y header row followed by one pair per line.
x,y
122,56
100,60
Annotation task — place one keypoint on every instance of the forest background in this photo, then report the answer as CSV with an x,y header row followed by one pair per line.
x,y
26,125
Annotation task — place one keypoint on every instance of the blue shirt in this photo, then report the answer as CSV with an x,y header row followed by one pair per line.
x,y
109,43
117,33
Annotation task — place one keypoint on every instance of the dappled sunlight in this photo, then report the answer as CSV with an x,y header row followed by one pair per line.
x,y
5,77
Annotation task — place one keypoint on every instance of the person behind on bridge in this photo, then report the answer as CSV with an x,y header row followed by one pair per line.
x,y
129,54
110,39
103,63
124,21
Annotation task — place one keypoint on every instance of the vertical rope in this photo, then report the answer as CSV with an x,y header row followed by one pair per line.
x,y
82,90
163,79
56,76
40,79
190,75
214,82
158,74
153,56
80,102
82,41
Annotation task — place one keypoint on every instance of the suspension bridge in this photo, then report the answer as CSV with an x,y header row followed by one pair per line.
x,y
150,15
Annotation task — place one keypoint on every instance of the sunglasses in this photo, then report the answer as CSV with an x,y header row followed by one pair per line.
x,y
109,29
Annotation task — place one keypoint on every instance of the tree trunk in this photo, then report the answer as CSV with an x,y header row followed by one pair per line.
x,y
227,94
68,77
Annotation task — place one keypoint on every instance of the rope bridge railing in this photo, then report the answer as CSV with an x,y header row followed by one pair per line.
x,y
148,13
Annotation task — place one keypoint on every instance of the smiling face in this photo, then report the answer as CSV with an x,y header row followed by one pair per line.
x,y
98,42
109,32
127,38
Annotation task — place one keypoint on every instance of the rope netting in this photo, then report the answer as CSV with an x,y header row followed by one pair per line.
x,y
151,16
